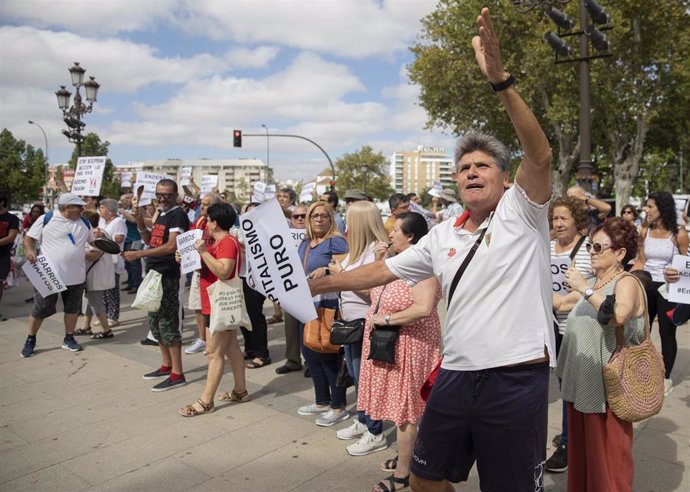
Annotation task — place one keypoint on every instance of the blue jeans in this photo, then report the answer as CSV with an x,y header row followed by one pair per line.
x,y
353,359
324,372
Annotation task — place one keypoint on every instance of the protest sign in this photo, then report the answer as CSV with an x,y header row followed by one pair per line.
x,y
88,176
44,276
680,291
208,182
185,174
148,181
185,246
126,180
298,235
273,265
269,192
307,193
559,265
258,192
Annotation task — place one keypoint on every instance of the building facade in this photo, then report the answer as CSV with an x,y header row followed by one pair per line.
x,y
416,171
234,175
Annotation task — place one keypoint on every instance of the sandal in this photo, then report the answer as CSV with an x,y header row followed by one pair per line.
x,y
389,465
191,411
274,319
258,362
83,331
235,396
102,335
394,483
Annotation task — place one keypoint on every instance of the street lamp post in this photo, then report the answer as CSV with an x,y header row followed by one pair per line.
x,y
45,139
588,33
72,115
268,155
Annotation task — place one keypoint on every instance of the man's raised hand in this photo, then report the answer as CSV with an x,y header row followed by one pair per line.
x,y
487,50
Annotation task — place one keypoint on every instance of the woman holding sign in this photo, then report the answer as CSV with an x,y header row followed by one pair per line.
x,y
219,261
568,218
662,240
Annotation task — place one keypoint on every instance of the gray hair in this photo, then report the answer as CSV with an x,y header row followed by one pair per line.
x,y
111,205
215,197
472,142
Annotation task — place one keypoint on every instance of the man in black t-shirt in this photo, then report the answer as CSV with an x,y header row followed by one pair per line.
x,y
9,227
165,323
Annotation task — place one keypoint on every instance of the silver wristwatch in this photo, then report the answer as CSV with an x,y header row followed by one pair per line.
x,y
589,292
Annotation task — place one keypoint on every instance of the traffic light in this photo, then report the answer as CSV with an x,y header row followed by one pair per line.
x,y
237,138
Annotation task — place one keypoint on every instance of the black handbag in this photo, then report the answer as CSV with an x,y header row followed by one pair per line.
x,y
346,332
382,339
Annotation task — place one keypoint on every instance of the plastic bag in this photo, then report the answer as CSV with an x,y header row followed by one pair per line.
x,y
228,310
150,292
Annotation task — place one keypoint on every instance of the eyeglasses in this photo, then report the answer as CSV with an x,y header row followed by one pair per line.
x,y
597,247
323,217
167,196
299,216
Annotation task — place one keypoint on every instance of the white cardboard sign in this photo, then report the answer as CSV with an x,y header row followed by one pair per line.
x,y
559,266
44,276
148,181
89,176
680,291
298,235
185,174
191,260
273,265
126,180
208,182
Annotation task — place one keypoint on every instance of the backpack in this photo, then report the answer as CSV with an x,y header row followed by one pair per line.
x,y
49,215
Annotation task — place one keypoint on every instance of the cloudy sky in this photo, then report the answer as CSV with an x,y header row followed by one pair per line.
x,y
177,76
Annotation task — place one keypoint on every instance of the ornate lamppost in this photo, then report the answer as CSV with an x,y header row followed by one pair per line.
x,y
72,115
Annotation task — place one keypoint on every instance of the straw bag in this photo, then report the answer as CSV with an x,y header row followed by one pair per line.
x,y
634,377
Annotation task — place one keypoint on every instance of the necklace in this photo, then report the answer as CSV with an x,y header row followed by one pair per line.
x,y
618,272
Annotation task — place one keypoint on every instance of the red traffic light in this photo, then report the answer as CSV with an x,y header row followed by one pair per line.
x,y
237,138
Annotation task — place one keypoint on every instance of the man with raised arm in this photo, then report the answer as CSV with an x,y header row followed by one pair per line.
x,y
489,401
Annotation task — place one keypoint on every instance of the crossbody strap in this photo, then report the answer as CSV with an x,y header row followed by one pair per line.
x,y
465,262
620,334
577,247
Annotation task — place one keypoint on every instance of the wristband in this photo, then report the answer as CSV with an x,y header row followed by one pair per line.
x,y
501,86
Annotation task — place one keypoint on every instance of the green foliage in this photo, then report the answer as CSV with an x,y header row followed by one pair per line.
x,y
366,171
22,168
94,147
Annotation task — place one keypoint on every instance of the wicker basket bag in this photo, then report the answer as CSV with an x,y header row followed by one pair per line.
x,y
634,376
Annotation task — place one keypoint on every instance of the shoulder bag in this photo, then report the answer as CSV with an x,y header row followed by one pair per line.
x,y
317,332
634,376
383,339
425,391
228,309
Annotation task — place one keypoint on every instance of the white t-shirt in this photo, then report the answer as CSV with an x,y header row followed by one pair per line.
x,y
64,242
501,312
560,262
353,306
101,275
116,227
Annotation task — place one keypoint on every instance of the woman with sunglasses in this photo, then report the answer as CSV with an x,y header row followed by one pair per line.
x,y
662,240
323,244
568,218
600,444
629,213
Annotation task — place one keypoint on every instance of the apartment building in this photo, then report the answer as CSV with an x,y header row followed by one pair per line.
x,y
416,171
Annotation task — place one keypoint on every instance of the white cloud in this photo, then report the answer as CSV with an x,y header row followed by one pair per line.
x,y
119,65
356,29
258,57
88,16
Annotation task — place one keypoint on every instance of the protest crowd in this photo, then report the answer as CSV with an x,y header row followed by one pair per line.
x,y
532,284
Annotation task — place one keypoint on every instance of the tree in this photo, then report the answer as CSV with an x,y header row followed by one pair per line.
x,y
93,147
22,168
645,79
364,170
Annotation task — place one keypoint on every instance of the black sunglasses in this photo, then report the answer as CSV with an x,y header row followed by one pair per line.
x,y
298,216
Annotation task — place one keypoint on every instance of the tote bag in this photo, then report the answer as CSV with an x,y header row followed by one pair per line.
x,y
228,310
150,292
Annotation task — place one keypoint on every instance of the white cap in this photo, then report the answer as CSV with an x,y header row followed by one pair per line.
x,y
70,199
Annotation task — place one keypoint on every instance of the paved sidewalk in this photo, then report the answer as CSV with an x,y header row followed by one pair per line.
x,y
88,421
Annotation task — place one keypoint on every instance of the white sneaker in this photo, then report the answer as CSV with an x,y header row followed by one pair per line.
x,y
355,431
369,443
668,387
312,409
332,417
197,346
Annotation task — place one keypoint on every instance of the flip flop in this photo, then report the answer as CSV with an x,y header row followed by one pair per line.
x,y
258,362
102,335
83,331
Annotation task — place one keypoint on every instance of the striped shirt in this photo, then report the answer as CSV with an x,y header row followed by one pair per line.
x,y
587,346
583,264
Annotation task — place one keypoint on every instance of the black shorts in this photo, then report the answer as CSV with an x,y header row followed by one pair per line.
x,y
71,300
497,417
4,267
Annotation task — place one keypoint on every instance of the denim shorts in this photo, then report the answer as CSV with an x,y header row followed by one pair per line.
x,y
71,300
496,417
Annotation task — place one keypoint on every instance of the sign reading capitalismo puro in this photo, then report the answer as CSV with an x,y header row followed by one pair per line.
x,y
273,266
